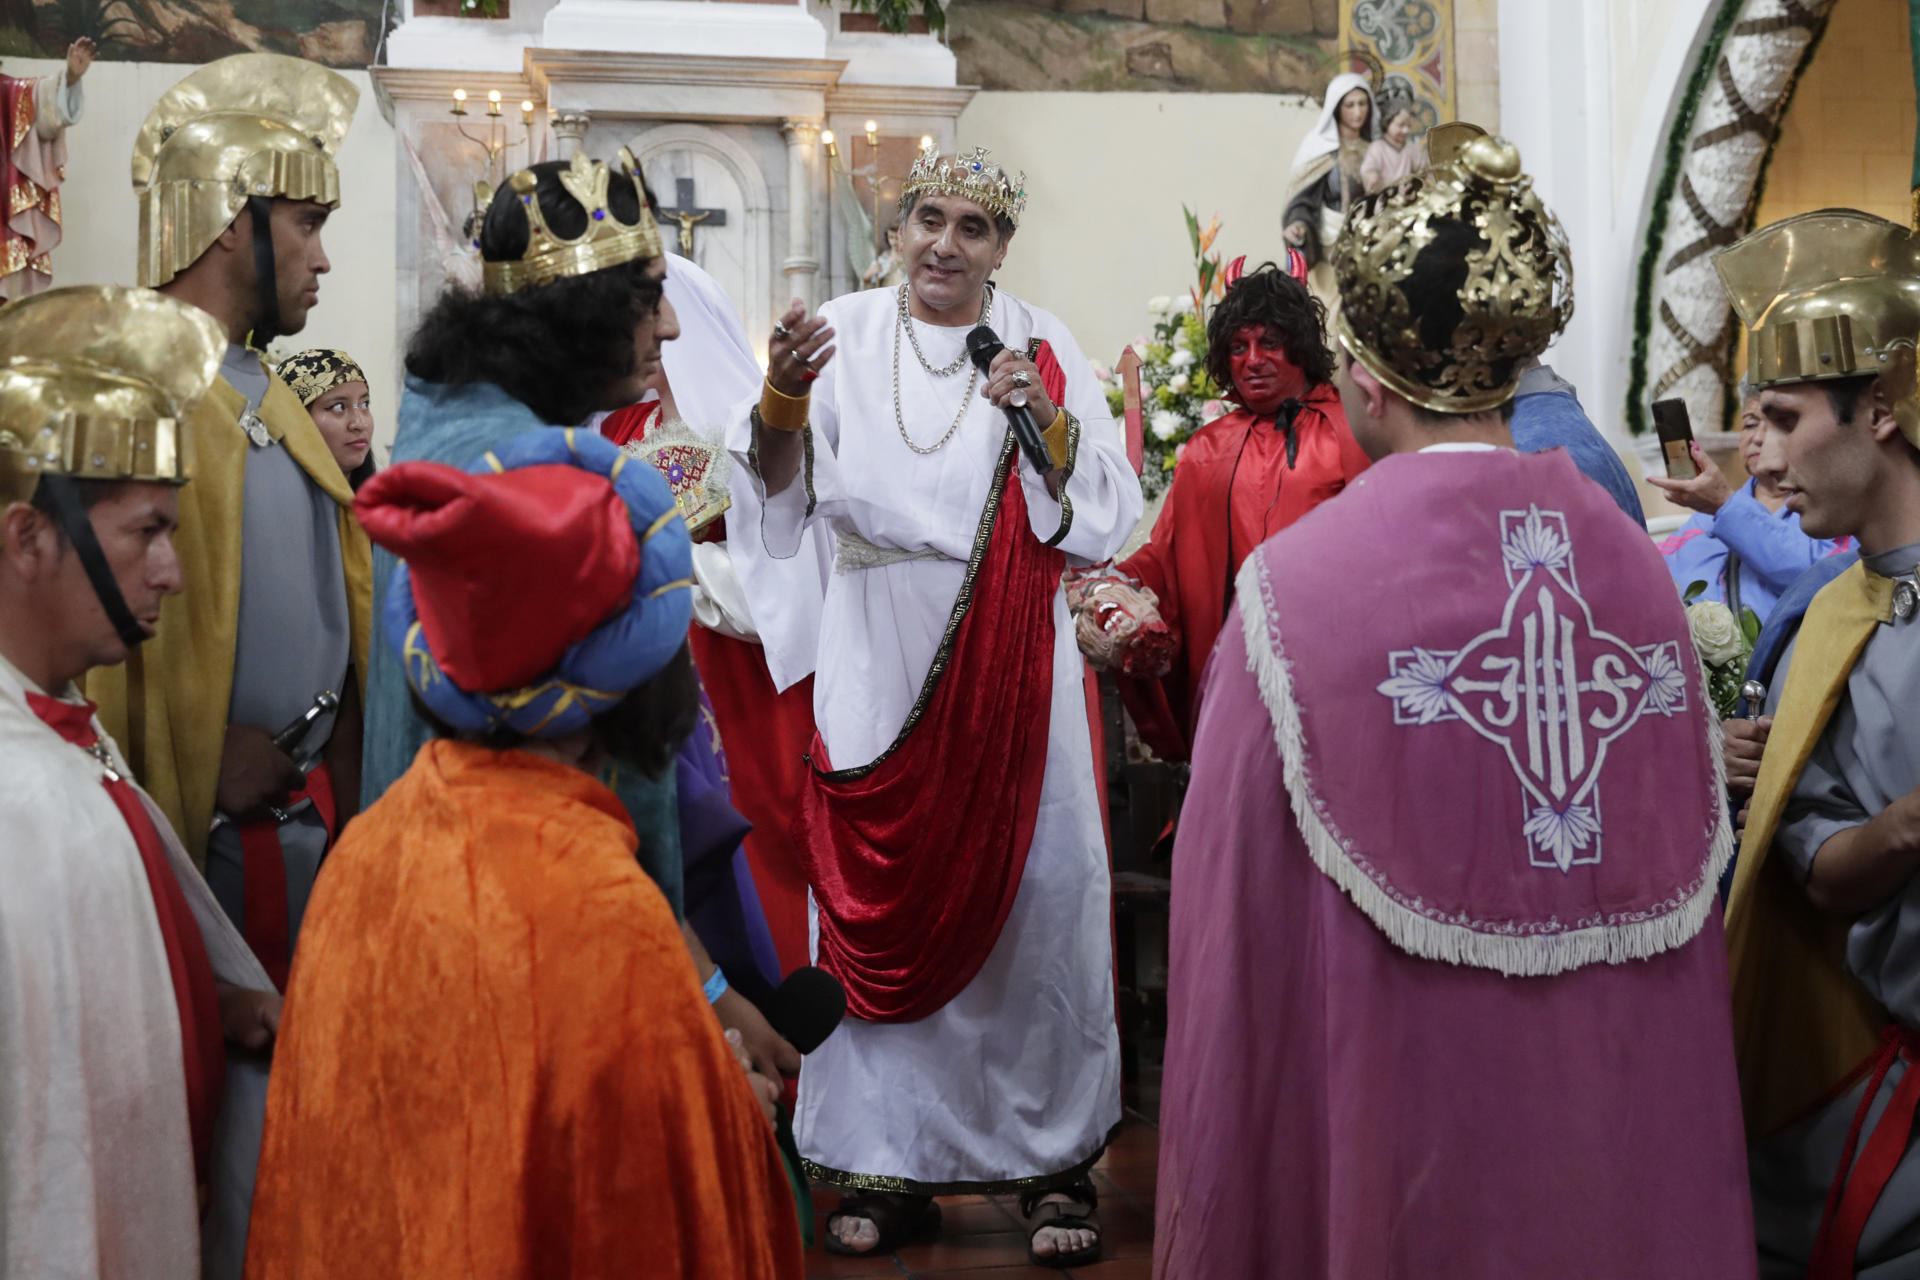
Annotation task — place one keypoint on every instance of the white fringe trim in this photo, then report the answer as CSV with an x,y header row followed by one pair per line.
x,y
1539,951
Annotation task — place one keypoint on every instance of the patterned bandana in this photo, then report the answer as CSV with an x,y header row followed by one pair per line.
x,y
313,373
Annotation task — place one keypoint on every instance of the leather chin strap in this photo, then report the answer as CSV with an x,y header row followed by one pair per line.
x,y
72,514
266,284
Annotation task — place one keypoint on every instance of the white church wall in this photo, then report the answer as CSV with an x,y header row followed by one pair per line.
x,y
356,311
1107,174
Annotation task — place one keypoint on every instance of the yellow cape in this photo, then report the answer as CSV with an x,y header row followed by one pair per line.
x,y
1802,1023
167,704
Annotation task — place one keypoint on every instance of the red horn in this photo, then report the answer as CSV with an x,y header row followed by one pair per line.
x,y
1235,269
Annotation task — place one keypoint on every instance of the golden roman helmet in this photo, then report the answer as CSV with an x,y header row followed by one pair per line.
x,y
95,382
254,124
1832,294
1515,297
605,242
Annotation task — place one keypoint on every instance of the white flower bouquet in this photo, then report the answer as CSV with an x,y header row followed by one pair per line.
x,y
1177,397
1724,644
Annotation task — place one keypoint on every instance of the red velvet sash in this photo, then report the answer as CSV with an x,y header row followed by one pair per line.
x,y
263,878
915,858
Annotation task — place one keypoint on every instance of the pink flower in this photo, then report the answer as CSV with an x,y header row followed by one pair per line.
x,y
1178,450
1213,409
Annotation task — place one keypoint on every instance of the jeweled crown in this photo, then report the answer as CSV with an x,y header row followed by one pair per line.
x,y
971,176
606,242
1516,296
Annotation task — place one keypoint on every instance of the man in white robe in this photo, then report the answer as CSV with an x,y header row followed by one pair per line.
x,y
996,1070
118,972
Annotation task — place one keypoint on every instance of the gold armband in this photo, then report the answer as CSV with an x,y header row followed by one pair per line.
x,y
781,411
1056,438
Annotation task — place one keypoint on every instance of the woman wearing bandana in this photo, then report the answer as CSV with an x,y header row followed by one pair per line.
x,y
334,391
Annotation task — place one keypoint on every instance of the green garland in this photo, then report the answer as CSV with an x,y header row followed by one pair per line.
x,y
1677,139
895,15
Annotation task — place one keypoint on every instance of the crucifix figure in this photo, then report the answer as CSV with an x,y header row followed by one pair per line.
x,y
686,213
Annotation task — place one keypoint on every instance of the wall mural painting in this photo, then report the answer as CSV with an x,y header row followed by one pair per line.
x,y
1407,48
340,33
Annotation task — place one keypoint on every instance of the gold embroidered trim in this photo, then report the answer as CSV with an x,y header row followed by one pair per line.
x,y
806,461
1066,474
908,1187
944,654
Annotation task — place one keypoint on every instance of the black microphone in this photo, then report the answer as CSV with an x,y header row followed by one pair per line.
x,y
983,344
806,1007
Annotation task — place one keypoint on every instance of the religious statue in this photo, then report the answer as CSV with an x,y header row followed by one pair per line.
x,y
889,270
1394,154
687,218
33,159
1326,176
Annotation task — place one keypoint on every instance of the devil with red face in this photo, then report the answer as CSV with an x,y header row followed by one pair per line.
x,y
1241,479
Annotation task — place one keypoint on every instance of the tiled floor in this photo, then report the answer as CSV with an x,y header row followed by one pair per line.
x,y
983,1238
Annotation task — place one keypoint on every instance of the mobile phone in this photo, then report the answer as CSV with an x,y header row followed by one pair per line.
x,y
1674,426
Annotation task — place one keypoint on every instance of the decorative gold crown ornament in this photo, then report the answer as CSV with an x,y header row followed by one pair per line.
x,y
95,382
1516,296
971,176
254,124
1832,294
696,470
606,241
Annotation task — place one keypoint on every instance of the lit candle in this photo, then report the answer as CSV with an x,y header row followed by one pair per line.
x,y
459,102
926,142
826,140
873,134
526,111
493,102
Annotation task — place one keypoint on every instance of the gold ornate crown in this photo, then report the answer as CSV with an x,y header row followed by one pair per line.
x,y
607,241
1832,294
254,124
971,176
694,469
95,382
1516,296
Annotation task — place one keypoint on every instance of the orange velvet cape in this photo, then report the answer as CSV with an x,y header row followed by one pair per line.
x,y
495,1059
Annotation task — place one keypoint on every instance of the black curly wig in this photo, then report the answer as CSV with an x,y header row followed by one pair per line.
x,y
559,348
1269,296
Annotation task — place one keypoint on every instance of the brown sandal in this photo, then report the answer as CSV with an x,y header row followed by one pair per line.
x,y
1074,1216
900,1219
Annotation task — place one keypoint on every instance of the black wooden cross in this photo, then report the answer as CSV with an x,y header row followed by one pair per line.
x,y
687,214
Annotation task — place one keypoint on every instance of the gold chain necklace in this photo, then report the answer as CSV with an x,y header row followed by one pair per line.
x,y
905,321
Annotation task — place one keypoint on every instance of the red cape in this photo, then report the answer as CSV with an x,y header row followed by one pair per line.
x,y
1232,491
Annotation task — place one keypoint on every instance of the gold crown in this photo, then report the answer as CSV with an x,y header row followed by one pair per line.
x,y
95,383
694,469
254,124
606,242
1832,294
971,176
1516,296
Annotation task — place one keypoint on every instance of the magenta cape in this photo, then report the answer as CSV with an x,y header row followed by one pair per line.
x,y
1418,1026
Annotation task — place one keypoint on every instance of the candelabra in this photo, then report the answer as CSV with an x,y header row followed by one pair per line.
x,y
495,144
870,171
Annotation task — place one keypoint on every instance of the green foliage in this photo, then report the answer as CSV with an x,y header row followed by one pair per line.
x,y
896,15
1693,592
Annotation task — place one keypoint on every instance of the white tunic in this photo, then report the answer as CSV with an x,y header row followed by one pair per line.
x,y
96,1164
1018,1076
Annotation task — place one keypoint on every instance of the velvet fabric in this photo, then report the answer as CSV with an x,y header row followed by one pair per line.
x,y
509,570
457,425
202,1052
1232,490
915,862
495,1060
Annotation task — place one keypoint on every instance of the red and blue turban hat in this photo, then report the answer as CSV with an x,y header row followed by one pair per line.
x,y
536,589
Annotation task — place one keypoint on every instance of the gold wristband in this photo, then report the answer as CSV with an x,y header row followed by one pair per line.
x,y
1056,438
781,411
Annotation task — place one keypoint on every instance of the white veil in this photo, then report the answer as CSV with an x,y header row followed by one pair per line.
x,y
1324,139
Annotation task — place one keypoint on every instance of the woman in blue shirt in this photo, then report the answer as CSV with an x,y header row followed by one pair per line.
x,y
1742,538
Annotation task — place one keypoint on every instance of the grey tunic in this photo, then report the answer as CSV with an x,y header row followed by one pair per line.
x,y
293,639
1868,756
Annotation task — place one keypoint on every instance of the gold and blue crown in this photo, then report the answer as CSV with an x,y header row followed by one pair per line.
x,y
606,242
971,176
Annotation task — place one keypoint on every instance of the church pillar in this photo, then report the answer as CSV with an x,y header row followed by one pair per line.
x,y
570,129
802,265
